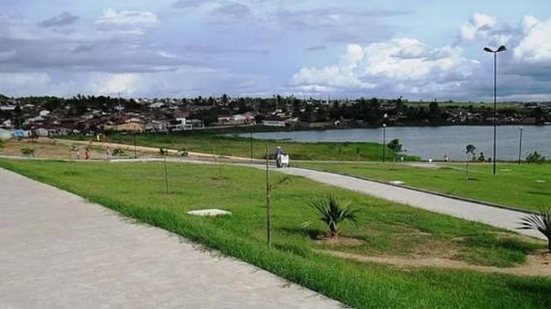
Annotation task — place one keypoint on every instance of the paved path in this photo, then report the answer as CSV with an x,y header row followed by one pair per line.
x,y
59,251
498,217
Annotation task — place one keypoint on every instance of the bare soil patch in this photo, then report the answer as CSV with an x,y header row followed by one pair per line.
x,y
537,264
337,241
424,165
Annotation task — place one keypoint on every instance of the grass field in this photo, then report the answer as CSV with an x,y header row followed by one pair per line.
x,y
137,190
215,143
521,186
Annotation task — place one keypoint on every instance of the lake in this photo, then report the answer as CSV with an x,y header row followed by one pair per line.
x,y
435,142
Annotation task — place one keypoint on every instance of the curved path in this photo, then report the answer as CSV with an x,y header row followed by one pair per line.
x,y
498,217
59,251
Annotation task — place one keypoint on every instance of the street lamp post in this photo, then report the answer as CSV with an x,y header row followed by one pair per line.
x,y
500,49
384,137
135,153
251,139
520,144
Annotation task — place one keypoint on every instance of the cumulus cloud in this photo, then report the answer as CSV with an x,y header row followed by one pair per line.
x,y
127,83
233,10
6,55
535,44
63,19
478,25
111,17
339,24
184,4
403,64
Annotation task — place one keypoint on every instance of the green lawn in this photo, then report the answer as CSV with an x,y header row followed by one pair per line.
x,y
137,190
216,143
522,186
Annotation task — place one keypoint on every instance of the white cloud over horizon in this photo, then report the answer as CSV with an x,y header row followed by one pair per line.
x,y
339,48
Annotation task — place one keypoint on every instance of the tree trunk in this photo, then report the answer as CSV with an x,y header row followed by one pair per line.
x,y
268,202
333,230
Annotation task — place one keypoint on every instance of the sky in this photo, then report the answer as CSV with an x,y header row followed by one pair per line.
x,y
425,49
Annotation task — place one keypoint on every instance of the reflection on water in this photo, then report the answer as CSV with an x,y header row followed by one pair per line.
x,y
436,142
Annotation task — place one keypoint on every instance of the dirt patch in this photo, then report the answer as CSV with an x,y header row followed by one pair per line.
x,y
337,241
49,148
424,165
537,264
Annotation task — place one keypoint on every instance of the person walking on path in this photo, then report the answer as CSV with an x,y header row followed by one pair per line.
x,y
278,153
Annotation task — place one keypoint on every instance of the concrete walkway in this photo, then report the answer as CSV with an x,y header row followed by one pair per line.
x,y
59,251
498,217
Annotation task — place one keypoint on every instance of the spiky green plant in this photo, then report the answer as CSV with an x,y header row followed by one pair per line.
x,y
540,222
333,211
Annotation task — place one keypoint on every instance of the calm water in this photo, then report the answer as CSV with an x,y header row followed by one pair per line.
x,y
435,142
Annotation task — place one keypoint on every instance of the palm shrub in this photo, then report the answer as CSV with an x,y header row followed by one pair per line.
x,y
535,157
332,211
540,222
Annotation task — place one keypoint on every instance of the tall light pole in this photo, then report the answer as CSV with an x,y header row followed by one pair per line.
x,y
384,136
135,153
520,144
500,49
251,140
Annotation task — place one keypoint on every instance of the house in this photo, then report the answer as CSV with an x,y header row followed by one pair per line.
x,y
273,123
130,125
5,134
156,126
182,124
6,124
236,120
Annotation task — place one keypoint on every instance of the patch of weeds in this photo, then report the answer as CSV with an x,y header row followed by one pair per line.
x,y
295,249
71,173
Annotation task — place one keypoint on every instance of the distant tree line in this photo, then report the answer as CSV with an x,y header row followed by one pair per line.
x,y
362,111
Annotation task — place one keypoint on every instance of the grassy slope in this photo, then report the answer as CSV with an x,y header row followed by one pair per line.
x,y
514,185
235,146
136,190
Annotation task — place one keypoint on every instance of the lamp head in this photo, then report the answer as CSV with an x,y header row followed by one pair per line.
x,y
501,48
488,49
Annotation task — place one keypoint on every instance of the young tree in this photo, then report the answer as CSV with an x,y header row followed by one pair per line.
x,y
469,151
395,147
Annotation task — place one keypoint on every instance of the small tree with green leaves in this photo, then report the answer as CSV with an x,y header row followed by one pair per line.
x,y
182,153
118,152
332,211
27,151
535,157
470,152
540,222
395,147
